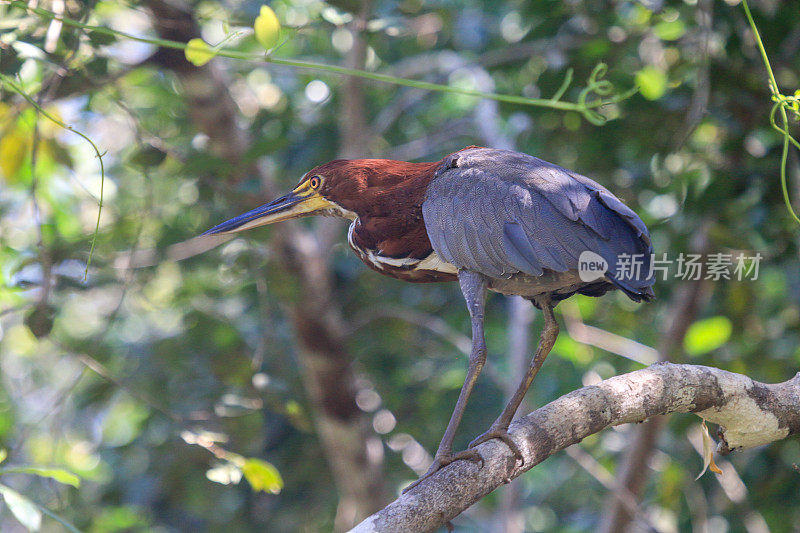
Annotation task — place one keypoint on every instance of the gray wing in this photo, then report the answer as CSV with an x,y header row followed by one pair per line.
x,y
500,212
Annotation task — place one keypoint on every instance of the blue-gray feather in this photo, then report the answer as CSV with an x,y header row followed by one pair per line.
x,y
500,213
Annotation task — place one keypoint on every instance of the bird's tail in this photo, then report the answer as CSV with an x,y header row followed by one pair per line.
x,y
637,294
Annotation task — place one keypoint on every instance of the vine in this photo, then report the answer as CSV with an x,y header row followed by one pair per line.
x,y
17,88
783,104
596,84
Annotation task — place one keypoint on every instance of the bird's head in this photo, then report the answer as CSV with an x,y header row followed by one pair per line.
x,y
316,194
342,188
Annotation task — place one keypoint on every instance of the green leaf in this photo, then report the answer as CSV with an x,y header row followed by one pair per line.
x,y
267,28
706,335
670,30
262,476
451,379
24,510
652,82
123,422
148,156
99,38
119,519
3,454
59,474
198,53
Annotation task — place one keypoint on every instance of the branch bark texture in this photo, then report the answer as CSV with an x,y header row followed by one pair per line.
x,y
749,414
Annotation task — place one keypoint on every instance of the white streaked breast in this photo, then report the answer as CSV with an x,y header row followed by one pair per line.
x,y
432,262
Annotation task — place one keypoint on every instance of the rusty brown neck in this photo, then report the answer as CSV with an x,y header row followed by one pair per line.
x,y
389,234
389,207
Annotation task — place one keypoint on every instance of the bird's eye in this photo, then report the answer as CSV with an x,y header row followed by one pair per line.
x,y
315,182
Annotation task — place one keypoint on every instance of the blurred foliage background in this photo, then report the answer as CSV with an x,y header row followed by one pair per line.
x,y
275,383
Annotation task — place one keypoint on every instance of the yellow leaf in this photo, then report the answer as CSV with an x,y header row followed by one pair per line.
x,y
262,476
713,466
59,474
708,453
267,27
13,151
198,53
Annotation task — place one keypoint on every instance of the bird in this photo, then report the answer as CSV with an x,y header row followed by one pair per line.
x,y
491,219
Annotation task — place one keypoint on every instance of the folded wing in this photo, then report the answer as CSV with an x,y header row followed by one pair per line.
x,y
500,212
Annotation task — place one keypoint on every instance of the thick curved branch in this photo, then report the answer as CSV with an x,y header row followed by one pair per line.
x,y
749,414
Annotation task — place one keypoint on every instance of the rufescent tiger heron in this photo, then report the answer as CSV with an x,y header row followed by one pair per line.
x,y
492,219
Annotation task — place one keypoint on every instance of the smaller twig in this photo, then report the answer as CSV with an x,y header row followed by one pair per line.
x,y
209,444
607,479
58,403
432,323
605,340
98,368
44,254
16,309
67,525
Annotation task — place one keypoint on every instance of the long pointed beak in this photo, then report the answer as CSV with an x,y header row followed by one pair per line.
x,y
299,202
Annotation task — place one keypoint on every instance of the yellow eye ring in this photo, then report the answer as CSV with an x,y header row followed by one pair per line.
x,y
315,182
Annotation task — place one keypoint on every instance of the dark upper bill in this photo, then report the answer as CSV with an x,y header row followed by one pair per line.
x,y
302,201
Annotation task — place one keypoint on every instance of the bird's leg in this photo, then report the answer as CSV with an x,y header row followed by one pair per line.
x,y
499,429
473,286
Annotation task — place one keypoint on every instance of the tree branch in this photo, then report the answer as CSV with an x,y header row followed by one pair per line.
x,y
749,414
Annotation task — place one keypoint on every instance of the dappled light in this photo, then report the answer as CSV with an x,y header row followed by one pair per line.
x,y
156,378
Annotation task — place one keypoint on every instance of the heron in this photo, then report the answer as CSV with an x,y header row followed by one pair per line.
x,y
493,220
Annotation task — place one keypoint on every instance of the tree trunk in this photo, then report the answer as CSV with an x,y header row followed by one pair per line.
x,y
326,366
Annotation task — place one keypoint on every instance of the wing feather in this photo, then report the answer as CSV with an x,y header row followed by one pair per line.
x,y
520,251
500,212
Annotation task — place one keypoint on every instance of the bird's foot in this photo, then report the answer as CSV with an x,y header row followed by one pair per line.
x,y
501,433
441,461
